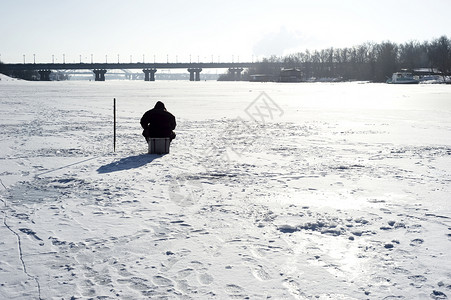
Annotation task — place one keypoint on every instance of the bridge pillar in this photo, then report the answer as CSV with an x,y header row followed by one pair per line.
x,y
191,74
149,74
194,74
152,74
198,74
99,75
232,73
44,75
236,73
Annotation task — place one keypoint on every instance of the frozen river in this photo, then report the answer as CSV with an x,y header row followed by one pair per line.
x,y
270,191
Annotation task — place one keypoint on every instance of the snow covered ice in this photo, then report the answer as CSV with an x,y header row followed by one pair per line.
x,y
270,191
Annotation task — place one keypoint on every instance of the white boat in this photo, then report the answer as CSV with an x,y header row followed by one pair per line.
x,y
435,79
403,78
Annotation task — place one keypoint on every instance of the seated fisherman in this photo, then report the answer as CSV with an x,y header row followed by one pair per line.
x,y
158,123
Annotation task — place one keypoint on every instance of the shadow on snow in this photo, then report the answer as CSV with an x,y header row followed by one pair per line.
x,y
128,163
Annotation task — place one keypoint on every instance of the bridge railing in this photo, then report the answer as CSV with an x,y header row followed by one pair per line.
x,y
110,66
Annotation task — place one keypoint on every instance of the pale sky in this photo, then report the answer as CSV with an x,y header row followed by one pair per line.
x,y
206,30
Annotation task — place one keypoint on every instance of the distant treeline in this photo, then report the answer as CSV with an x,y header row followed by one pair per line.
x,y
369,61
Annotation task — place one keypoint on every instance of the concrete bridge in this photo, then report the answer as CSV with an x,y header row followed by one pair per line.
x,y
149,69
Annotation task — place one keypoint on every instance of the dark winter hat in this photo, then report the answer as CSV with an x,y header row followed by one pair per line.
x,y
160,105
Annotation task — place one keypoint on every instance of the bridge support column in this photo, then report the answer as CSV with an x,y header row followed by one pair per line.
x,y
99,75
44,75
232,74
149,74
194,74
198,74
236,73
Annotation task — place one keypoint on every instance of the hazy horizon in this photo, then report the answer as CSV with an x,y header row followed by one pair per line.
x,y
206,30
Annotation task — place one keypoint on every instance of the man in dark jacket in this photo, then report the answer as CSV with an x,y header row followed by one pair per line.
x,y
158,123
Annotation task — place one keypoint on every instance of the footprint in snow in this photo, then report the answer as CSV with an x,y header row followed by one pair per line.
x,y
205,278
438,295
233,289
30,233
136,283
416,242
162,281
417,280
258,252
185,273
260,273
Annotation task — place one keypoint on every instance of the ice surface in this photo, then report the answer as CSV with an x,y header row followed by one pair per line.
x,y
270,191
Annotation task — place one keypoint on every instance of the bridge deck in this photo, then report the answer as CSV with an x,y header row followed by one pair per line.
x,y
110,66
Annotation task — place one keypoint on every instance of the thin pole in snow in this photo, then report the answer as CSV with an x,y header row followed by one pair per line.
x,y
114,124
